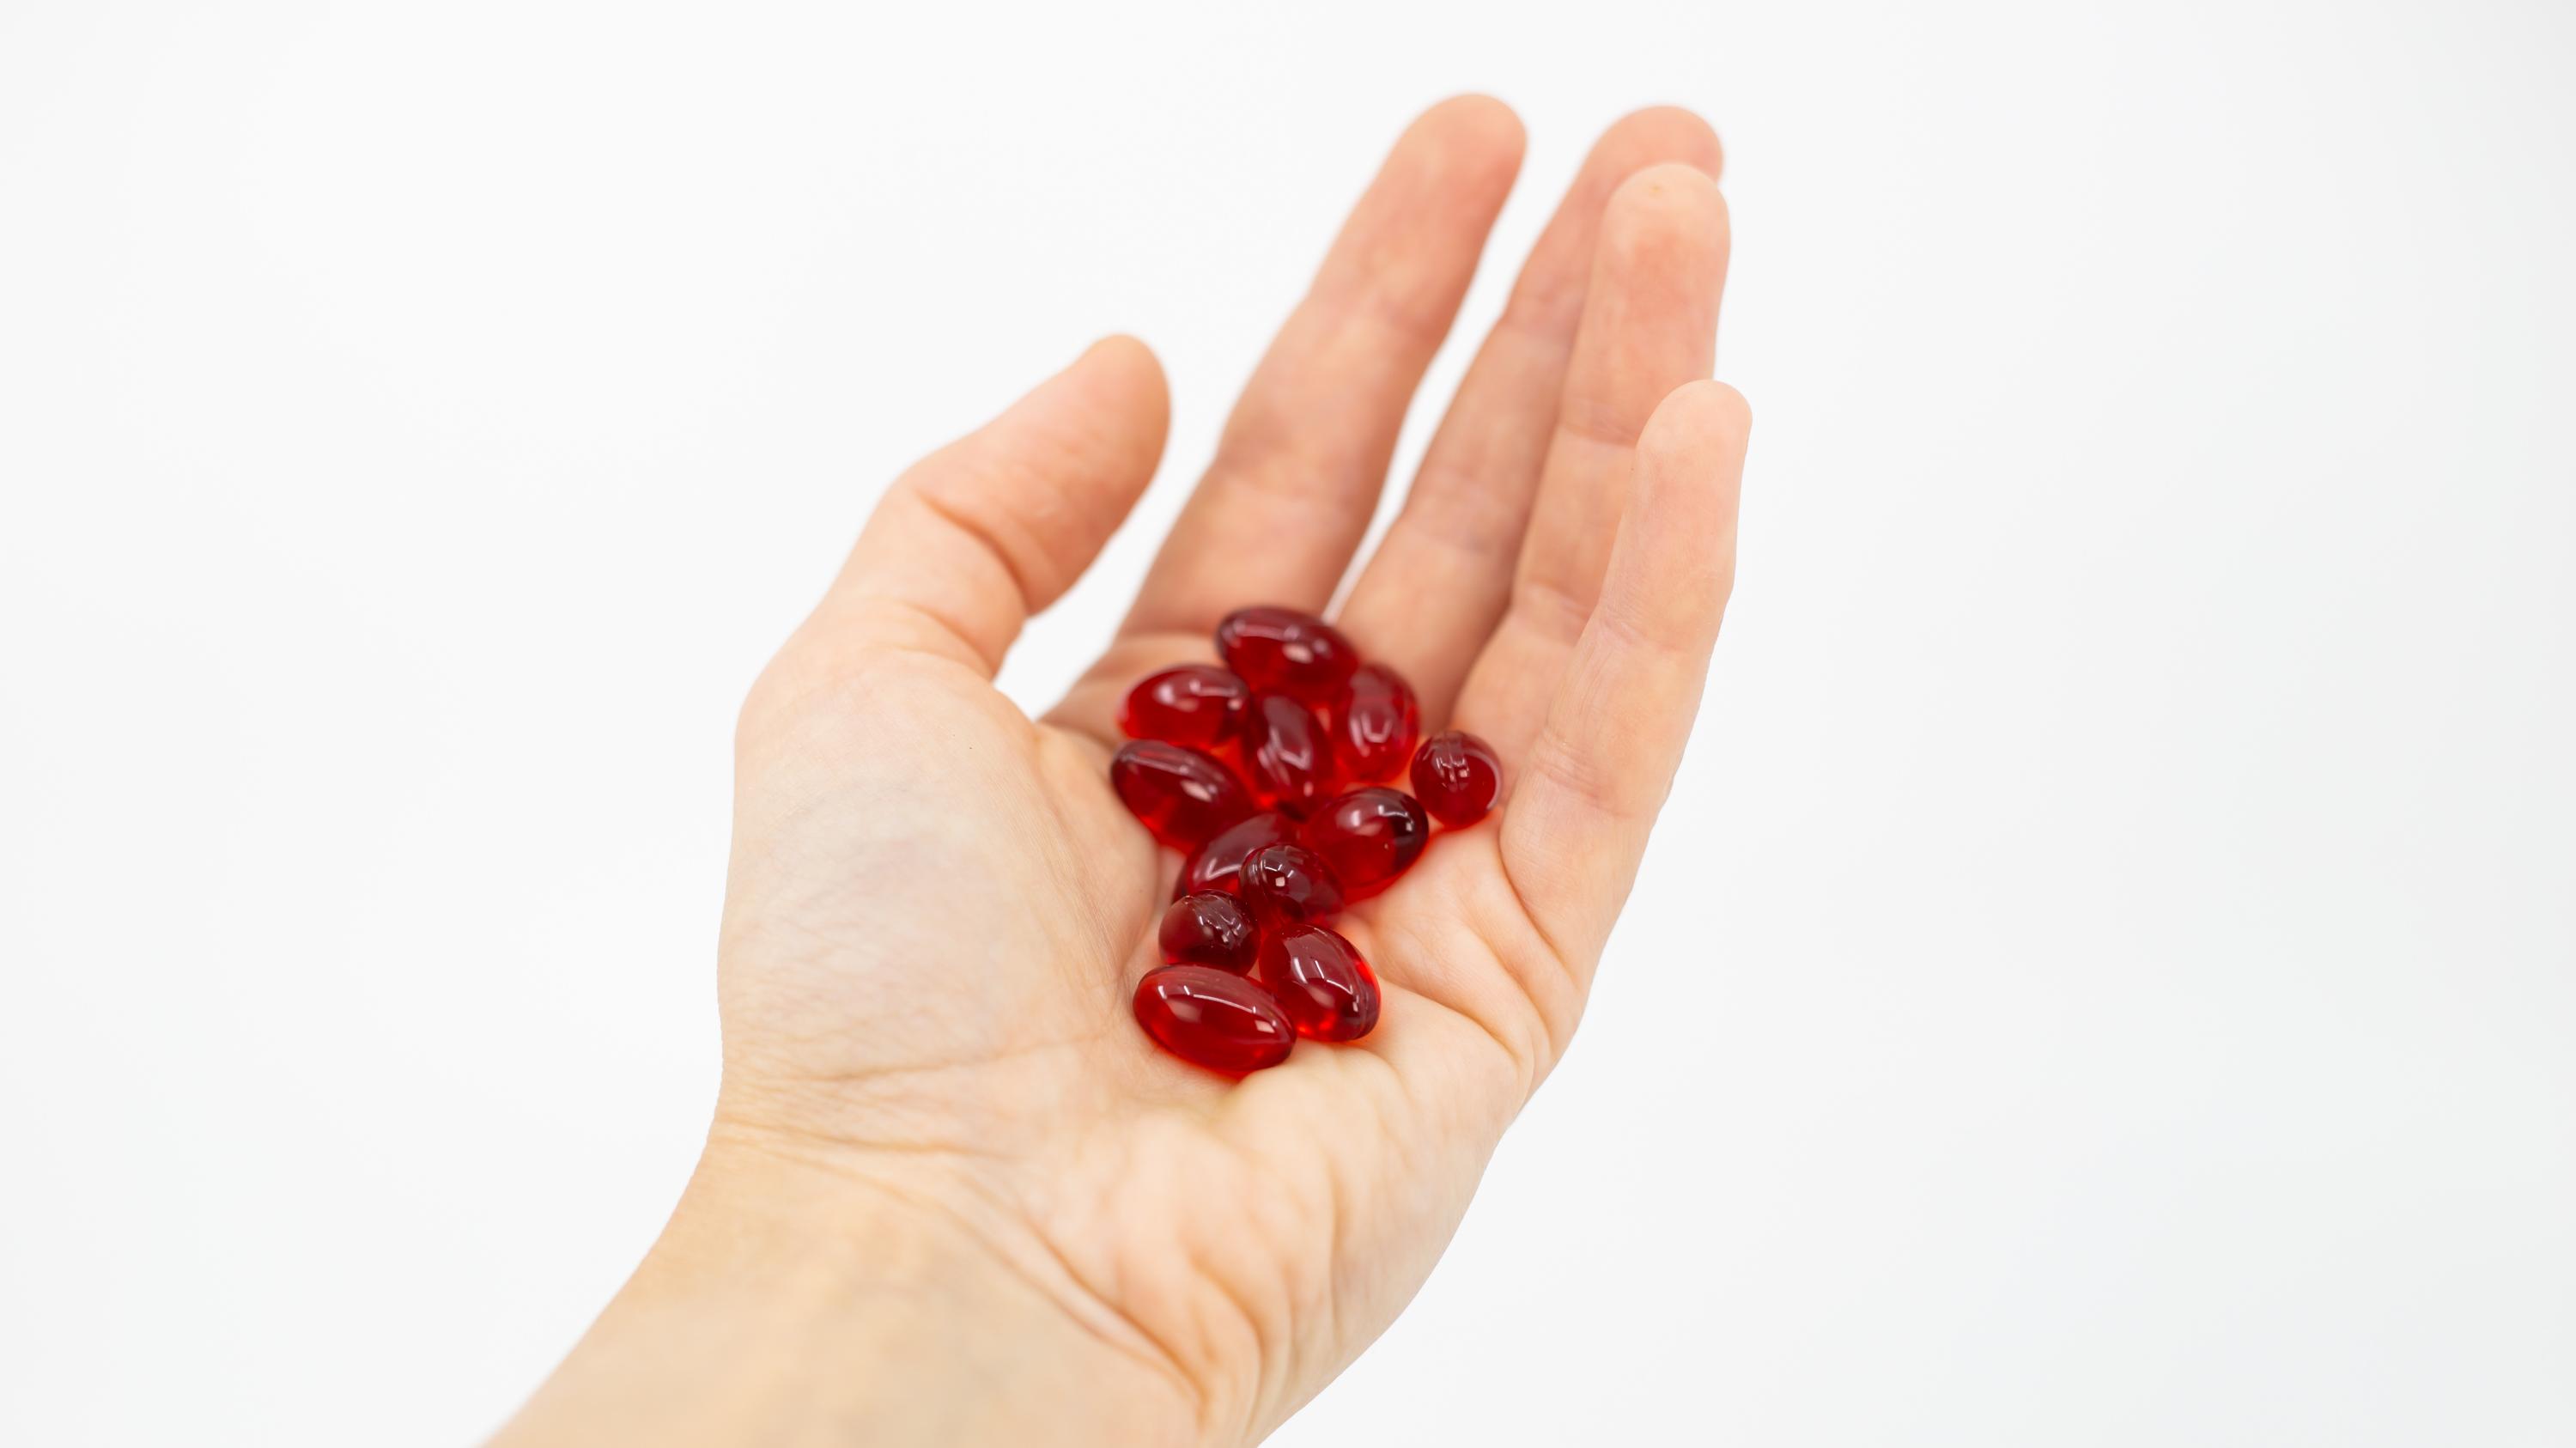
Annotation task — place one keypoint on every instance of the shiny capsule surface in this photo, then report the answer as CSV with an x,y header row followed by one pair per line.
x,y
1286,651
1367,837
1218,864
1376,723
1199,705
1457,777
1287,755
1328,991
1289,884
1213,1018
1183,796
1209,929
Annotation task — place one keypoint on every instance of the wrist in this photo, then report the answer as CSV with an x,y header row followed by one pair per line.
x,y
787,1302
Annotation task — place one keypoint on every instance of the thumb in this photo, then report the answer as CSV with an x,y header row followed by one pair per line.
x,y
995,526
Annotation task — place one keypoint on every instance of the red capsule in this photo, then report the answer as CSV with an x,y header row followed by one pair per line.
x,y
1209,929
1457,778
1284,650
1287,754
1199,705
1210,1018
1218,864
1321,982
1375,724
1368,837
1183,796
1289,884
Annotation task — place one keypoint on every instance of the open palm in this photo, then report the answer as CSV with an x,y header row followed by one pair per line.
x,y
938,908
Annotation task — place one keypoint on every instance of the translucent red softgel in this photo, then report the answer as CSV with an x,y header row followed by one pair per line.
x,y
1375,724
1457,778
1183,796
1367,837
1209,929
1218,864
1213,1018
1198,705
1285,651
1275,851
1319,979
1288,885
1287,754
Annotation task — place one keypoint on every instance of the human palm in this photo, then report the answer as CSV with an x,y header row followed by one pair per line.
x,y
938,908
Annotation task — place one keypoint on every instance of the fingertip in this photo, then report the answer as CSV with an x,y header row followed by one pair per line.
x,y
1690,466
1663,255
1119,382
1472,145
1644,137
1480,122
1135,374
1667,200
1122,362
1705,418
1128,354
1551,290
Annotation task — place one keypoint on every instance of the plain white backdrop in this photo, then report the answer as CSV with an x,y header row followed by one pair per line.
x,y
2108,971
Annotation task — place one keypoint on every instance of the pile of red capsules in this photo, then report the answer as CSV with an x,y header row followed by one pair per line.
x,y
1267,775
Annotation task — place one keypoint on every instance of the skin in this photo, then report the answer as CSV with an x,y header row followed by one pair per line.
x,y
952,1194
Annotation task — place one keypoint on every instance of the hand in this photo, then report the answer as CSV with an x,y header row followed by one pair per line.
x,y
952,1193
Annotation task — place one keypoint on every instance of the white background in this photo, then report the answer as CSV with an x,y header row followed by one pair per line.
x,y
2107,976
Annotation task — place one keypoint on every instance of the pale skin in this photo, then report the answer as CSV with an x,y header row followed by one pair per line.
x,y
952,1194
